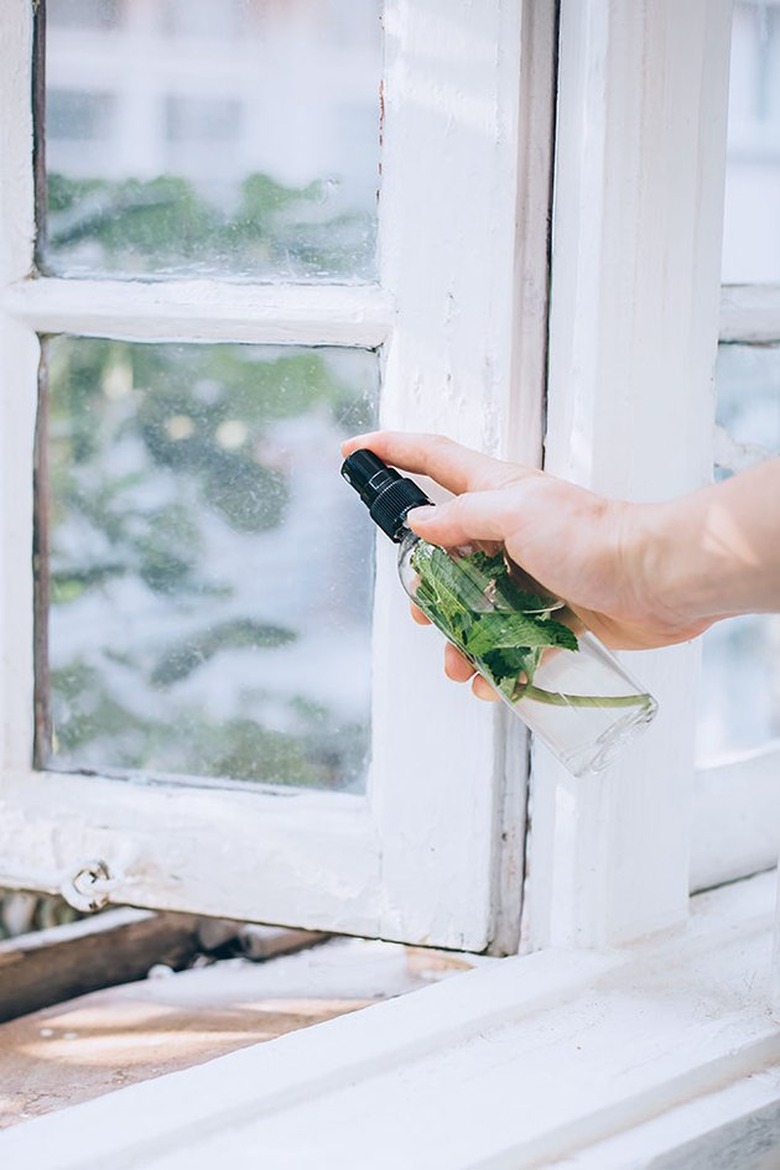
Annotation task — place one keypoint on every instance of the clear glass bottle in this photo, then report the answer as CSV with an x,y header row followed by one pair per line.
x,y
551,671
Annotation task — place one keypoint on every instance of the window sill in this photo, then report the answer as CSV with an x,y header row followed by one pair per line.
x,y
602,1059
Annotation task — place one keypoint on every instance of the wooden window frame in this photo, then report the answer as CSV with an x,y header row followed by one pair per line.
x,y
433,852
588,1055
726,846
633,342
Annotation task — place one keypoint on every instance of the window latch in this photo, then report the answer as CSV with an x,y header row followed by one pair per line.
x,y
90,887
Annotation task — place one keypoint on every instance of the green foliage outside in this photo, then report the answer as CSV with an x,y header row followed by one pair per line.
x,y
165,226
152,449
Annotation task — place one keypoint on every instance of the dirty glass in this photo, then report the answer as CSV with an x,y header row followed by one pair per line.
x,y
751,240
204,580
188,137
740,682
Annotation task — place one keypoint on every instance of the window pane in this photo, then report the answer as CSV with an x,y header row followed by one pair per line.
x,y
81,14
740,691
751,243
209,574
238,139
748,414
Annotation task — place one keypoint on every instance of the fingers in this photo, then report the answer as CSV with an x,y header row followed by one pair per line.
x,y
456,665
459,669
418,616
474,516
483,690
457,468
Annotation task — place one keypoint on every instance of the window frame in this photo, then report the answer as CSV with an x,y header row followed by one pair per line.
x,y
433,852
725,846
734,838
633,343
586,1055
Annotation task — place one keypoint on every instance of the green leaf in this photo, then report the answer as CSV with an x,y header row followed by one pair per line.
x,y
494,630
506,644
180,660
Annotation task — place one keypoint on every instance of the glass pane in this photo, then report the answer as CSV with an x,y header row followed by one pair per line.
x,y
209,574
83,14
751,242
748,414
740,686
188,137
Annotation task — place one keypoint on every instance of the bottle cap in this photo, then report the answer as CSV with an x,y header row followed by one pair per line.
x,y
387,494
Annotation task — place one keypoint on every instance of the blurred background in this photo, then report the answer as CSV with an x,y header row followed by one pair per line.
x,y
206,579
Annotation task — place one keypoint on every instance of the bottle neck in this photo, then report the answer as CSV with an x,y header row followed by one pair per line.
x,y
406,540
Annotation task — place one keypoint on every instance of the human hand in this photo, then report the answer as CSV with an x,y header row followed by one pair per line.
x,y
596,554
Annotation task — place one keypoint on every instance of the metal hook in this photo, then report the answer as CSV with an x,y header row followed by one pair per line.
x,y
89,887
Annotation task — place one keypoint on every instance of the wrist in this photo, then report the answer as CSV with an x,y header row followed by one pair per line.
x,y
673,584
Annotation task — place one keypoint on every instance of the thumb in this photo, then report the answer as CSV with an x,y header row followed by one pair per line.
x,y
469,517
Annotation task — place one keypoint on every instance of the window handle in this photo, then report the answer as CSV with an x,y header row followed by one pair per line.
x,y
90,887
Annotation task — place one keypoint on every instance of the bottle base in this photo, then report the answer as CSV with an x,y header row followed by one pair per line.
x,y
598,756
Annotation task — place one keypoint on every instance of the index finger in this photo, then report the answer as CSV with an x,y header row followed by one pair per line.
x,y
455,467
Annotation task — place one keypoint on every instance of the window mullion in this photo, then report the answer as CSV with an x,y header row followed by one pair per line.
x,y
750,313
200,310
453,226
636,268
421,856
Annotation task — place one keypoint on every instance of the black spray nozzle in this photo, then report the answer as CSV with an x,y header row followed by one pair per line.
x,y
387,495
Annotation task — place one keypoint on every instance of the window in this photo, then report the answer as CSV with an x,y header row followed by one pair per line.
x,y
738,778
457,317
212,721
751,243
633,336
84,14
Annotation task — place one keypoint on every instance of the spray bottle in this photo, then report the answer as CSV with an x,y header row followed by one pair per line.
x,y
546,666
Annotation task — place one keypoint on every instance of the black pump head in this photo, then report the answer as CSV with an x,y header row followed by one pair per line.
x,y
387,495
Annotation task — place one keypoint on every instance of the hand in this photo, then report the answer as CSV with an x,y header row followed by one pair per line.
x,y
594,553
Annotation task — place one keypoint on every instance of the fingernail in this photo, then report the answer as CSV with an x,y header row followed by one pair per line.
x,y
423,513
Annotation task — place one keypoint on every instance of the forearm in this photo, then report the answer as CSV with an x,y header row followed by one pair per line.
x,y
716,552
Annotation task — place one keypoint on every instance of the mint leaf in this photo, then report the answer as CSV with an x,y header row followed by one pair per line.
x,y
505,589
499,629
508,668
506,643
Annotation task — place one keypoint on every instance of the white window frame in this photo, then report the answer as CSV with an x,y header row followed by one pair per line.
x,y
433,852
587,1055
633,342
737,801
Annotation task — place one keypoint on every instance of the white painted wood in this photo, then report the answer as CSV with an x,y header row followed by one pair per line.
x,y
775,977
750,312
736,814
18,378
736,1128
633,332
17,221
205,310
303,859
520,1063
19,356
433,853
455,133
